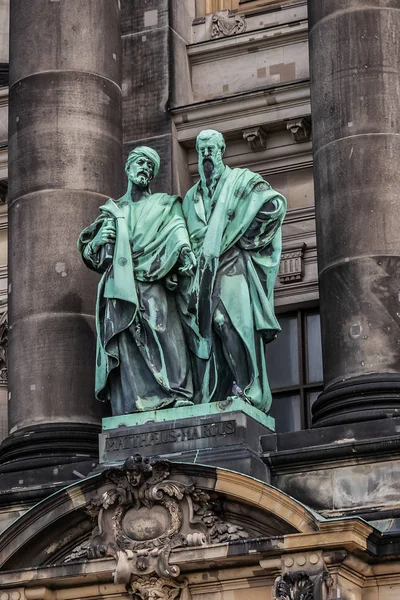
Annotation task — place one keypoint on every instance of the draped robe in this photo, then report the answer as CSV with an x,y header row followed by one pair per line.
x,y
227,306
141,358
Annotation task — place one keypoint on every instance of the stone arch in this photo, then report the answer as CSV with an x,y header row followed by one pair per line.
x,y
50,530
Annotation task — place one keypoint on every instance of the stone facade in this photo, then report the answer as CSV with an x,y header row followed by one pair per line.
x,y
304,515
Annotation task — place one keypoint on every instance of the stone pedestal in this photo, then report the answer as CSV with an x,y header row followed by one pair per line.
x,y
354,59
224,434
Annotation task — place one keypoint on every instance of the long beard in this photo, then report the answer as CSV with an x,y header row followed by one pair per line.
x,y
210,170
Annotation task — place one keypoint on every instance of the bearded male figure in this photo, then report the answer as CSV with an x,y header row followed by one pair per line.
x,y
234,220
139,243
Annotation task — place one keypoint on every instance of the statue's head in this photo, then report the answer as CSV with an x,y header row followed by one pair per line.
x,y
210,146
142,166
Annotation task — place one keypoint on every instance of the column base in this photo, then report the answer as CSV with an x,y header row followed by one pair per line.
x,y
38,460
363,398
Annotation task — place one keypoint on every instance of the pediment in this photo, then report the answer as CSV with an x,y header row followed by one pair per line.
x,y
144,513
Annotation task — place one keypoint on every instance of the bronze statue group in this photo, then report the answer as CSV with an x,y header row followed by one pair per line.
x,y
185,303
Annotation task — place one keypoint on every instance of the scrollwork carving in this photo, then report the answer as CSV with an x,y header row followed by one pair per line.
x,y
300,129
256,138
144,515
158,588
223,26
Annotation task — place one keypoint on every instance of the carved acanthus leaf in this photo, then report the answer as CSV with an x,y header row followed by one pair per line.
x,y
294,586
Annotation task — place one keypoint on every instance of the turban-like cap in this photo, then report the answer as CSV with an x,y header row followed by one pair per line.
x,y
148,153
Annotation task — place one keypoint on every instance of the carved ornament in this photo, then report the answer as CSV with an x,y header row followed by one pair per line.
x,y
291,267
256,138
300,129
223,26
151,587
144,515
294,586
298,585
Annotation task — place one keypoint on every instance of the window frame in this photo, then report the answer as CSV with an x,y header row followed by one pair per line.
x,y
304,388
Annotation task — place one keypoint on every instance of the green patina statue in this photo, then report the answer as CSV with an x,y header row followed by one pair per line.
x,y
140,243
185,304
234,220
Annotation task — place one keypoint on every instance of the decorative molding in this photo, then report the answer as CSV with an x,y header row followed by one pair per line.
x,y
291,267
219,48
256,138
294,586
4,96
299,585
300,129
272,105
224,25
144,515
304,213
158,588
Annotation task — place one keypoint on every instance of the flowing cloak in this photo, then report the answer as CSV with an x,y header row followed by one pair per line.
x,y
150,234
245,220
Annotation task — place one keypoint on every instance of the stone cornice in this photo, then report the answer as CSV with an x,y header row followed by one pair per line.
x,y
271,105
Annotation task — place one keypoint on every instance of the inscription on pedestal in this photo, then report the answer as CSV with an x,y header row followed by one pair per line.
x,y
170,436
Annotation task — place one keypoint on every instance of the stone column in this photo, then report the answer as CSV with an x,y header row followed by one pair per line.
x,y
65,156
355,61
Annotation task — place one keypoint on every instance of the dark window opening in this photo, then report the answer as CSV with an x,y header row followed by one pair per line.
x,y
294,365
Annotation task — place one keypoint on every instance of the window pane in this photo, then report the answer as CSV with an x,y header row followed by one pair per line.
x,y
314,349
311,398
286,412
282,355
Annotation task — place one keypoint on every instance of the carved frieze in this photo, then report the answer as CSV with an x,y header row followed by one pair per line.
x,y
300,129
256,138
291,267
224,25
144,514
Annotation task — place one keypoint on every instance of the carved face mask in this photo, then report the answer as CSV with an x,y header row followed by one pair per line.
x,y
141,171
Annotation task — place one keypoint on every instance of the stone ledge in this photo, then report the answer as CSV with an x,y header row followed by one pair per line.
x,y
188,412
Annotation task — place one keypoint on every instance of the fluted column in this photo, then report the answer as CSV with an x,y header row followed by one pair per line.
x,y
65,154
355,82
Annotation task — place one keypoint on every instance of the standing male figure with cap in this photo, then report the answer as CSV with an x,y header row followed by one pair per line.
x,y
138,243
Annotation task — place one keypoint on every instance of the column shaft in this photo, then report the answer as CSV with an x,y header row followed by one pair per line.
x,y
355,82
65,155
